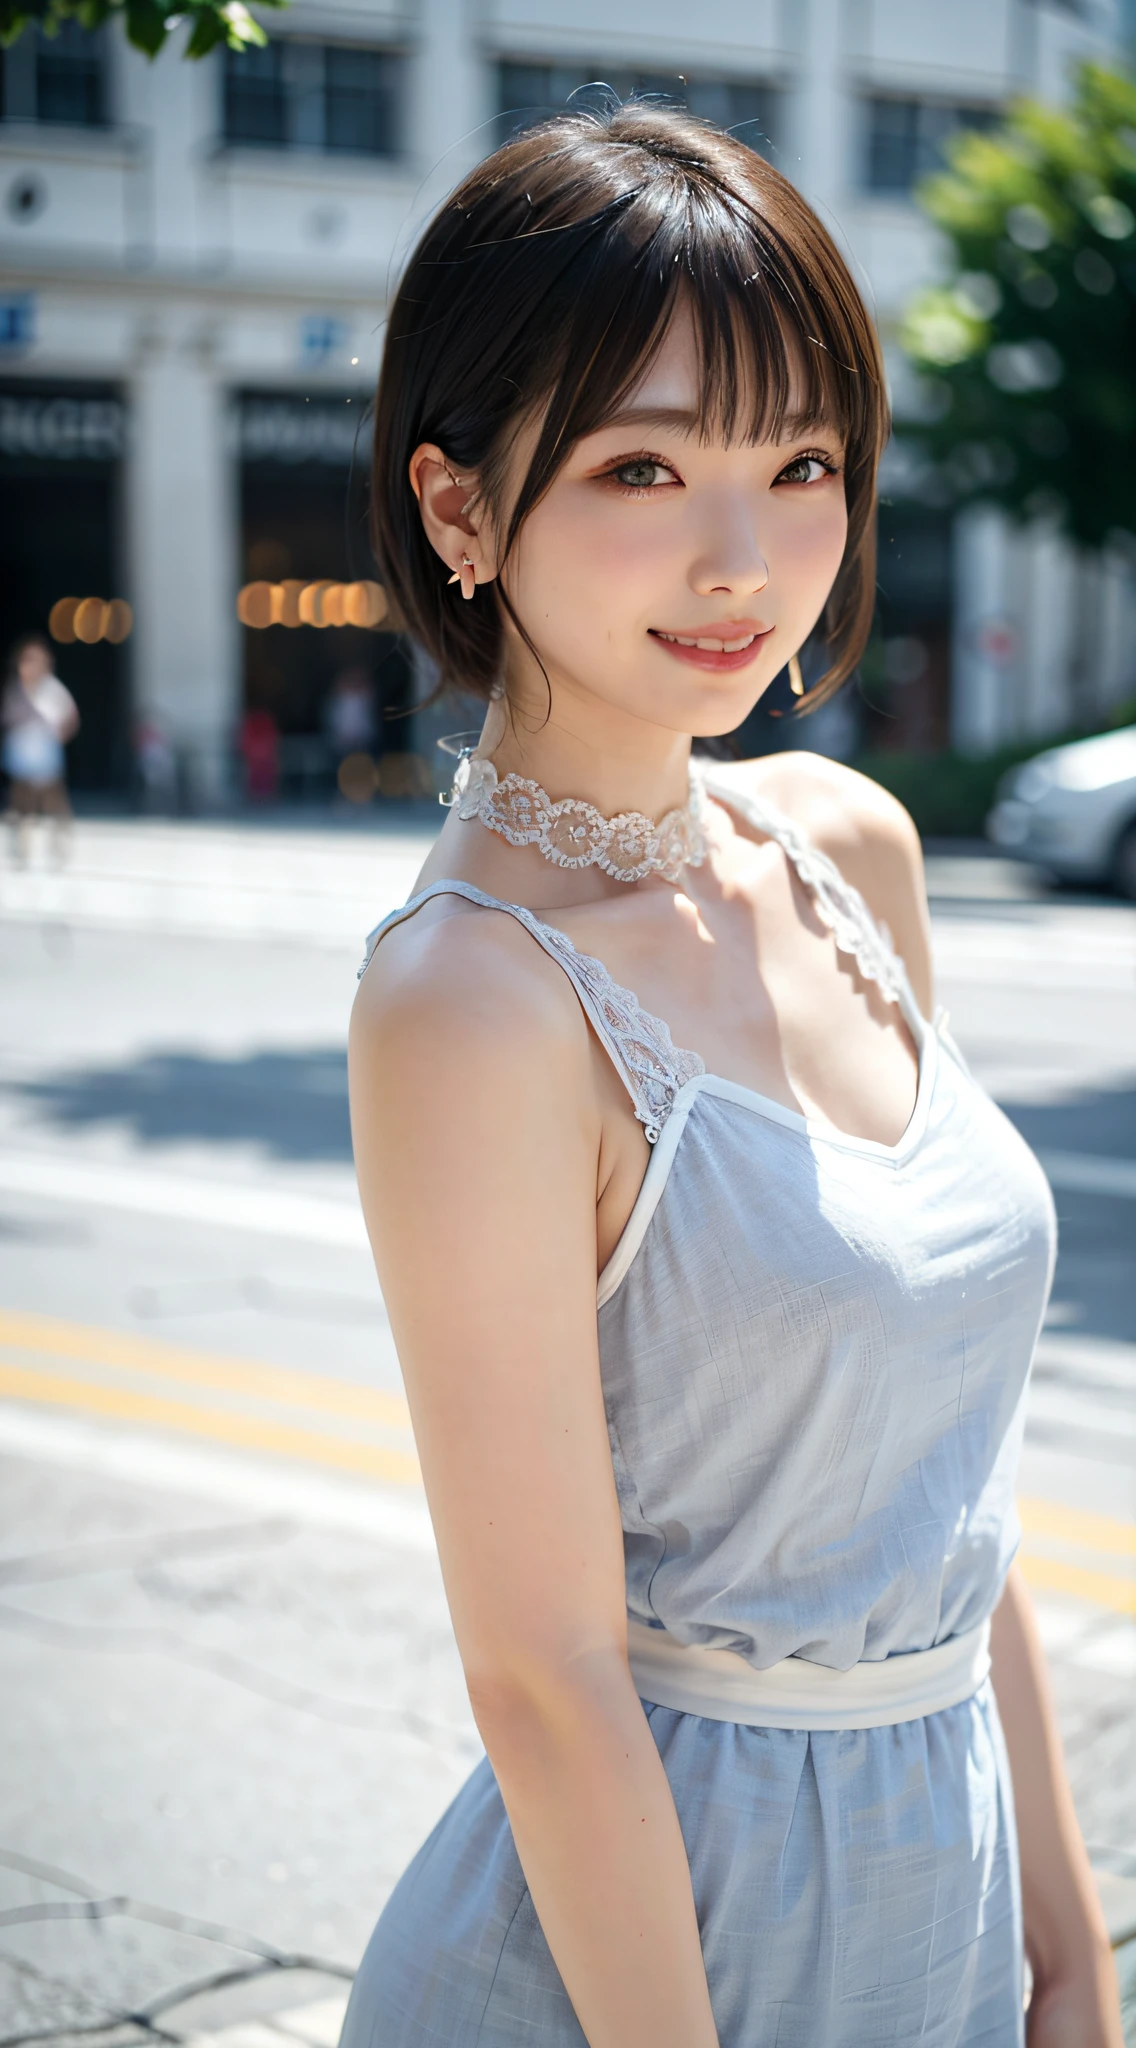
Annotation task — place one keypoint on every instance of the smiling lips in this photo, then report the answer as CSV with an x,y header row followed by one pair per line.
x,y
731,646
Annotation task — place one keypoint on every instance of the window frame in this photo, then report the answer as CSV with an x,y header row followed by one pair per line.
x,y
927,148
33,53
306,93
625,79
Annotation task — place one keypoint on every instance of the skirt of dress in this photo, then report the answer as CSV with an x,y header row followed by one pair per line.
x,y
855,1889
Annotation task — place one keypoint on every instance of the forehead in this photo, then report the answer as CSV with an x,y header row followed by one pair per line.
x,y
671,390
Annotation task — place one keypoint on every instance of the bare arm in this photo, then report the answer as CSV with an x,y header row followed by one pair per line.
x,y
1075,1997
477,1137
874,842
1074,2003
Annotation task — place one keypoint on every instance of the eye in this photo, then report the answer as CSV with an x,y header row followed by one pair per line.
x,y
641,473
807,469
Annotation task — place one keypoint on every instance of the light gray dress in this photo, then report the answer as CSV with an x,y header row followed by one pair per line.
x,y
814,1352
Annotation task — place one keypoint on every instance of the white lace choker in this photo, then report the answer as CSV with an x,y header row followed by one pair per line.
x,y
575,835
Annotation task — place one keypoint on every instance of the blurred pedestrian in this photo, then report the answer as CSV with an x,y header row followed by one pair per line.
x,y
39,716
349,718
156,762
259,744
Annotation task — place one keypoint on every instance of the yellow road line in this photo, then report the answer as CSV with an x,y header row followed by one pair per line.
x,y
1053,1575
51,1337
1074,1525
58,1390
83,1344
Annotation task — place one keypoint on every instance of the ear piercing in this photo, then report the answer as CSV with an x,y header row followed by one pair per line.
x,y
466,576
796,679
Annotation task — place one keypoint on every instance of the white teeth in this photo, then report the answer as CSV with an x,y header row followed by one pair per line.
x,y
711,646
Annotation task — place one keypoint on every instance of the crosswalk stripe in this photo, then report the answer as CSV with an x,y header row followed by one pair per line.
x,y
80,1343
372,1461
1090,1173
27,1338
1101,1589
217,1204
1075,1525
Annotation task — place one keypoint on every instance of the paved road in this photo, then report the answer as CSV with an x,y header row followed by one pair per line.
x,y
237,1703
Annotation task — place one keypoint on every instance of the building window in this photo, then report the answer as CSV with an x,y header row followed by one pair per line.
x,y
905,138
59,78
326,96
255,109
527,93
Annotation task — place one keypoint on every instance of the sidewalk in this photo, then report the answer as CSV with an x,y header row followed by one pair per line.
x,y
326,886
255,1713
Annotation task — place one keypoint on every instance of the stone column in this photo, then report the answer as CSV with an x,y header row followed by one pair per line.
x,y
822,147
1047,630
183,551
982,711
452,97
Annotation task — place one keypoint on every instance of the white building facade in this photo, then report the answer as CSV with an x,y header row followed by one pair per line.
x,y
195,260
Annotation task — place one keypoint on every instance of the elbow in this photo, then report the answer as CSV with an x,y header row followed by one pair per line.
x,y
529,1706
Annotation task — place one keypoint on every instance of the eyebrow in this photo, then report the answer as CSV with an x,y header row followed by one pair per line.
x,y
683,420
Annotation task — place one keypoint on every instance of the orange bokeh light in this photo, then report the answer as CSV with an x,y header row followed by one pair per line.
x,y
90,619
321,603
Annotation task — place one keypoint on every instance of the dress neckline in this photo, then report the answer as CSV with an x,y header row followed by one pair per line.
x,y
656,1071
690,1068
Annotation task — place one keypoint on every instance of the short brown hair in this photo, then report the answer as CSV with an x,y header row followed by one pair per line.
x,y
544,287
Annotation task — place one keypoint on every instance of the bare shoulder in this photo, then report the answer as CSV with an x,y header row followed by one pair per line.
x,y
840,809
465,999
865,831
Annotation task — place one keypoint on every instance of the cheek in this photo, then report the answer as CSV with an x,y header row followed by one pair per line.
x,y
579,560
813,548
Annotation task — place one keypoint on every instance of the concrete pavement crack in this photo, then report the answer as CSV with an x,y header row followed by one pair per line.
x,y
68,1635
138,1553
92,1907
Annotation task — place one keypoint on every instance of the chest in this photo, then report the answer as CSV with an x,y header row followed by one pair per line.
x,y
748,976
788,1290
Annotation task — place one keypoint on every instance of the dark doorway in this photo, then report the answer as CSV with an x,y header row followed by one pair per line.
x,y
304,517
906,670
61,448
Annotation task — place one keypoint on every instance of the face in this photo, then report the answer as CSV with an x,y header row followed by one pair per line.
x,y
33,663
670,577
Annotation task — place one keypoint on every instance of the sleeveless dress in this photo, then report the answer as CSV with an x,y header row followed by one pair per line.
x,y
814,1352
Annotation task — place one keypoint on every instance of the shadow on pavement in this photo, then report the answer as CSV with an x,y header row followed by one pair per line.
x,y
293,1104
1092,1291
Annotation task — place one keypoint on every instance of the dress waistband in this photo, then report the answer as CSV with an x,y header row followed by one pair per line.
x,y
798,1694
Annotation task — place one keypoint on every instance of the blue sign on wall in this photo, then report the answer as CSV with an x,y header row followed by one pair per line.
x,y
322,337
17,323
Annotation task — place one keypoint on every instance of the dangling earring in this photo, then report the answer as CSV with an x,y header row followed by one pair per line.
x,y
466,576
796,679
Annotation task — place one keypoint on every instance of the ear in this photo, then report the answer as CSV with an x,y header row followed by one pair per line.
x,y
446,498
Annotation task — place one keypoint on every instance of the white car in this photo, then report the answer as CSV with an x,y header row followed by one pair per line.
x,y
1073,810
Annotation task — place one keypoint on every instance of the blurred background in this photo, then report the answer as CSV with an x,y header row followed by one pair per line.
x,y
232,1703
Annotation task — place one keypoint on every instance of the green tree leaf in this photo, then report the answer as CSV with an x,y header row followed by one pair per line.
x,y
148,25
1028,352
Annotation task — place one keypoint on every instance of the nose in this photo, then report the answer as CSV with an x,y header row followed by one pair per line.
x,y
729,560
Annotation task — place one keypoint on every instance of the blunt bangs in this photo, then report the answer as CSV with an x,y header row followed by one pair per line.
x,y
543,291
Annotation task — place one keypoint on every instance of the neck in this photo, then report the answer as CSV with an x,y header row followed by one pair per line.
x,y
592,751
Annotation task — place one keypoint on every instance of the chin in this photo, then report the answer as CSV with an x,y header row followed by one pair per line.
x,y
711,710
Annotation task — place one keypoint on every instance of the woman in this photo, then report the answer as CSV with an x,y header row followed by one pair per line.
x,y
721,1559
39,716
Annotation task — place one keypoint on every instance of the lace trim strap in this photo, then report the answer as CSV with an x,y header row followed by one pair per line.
x,y
841,907
651,1067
